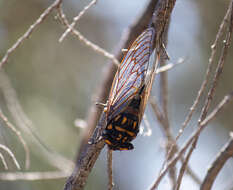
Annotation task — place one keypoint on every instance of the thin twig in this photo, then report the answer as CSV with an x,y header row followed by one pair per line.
x,y
165,124
26,125
11,155
172,141
216,166
75,19
219,68
211,92
205,81
3,161
18,134
33,176
169,66
29,31
110,178
88,43
196,133
148,132
183,168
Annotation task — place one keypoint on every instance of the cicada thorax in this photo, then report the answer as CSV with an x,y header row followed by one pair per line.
x,y
124,127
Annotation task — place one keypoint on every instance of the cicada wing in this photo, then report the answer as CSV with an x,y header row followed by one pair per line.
x,y
130,76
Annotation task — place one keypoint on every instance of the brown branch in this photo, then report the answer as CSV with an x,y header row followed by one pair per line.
x,y
211,92
172,141
220,65
26,35
3,161
207,75
77,34
184,167
21,139
168,66
26,125
165,124
75,19
218,163
7,150
87,158
32,176
226,100
110,178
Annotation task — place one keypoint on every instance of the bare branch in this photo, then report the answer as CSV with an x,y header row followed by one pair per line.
x,y
18,134
75,19
216,166
3,161
26,125
5,148
87,159
169,66
110,178
195,134
221,62
172,141
211,91
184,167
88,43
33,176
26,35
209,99
208,71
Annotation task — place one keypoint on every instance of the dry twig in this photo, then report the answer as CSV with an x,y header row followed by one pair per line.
x,y
26,35
205,81
196,133
88,43
3,161
26,125
5,148
218,163
33,176
110,178
212,90
75,19
168,66
172,140
18,134
165,124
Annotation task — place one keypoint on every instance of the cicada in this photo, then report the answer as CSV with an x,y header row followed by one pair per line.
x,y
127,100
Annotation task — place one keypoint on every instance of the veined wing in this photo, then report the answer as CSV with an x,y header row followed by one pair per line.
x,y
131,73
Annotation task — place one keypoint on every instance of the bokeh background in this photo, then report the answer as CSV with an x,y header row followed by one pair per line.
x,y
55,83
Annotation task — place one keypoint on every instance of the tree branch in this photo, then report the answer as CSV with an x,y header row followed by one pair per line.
x,y
196,133
110,178
26,35
218,163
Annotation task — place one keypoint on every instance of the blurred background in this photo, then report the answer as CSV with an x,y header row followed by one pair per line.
x,y
55,83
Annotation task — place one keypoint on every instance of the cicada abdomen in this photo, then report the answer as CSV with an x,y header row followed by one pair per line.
x,y
126,100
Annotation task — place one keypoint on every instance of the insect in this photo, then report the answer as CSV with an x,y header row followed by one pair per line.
x,y
126,101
